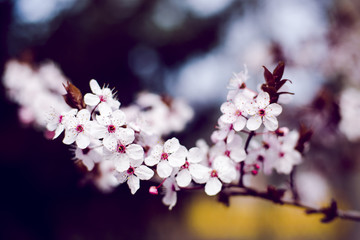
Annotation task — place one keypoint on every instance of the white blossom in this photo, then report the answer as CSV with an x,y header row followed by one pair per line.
x,y
78,129
222,170
167,156
262,111
192,169
121,149
134,174
102,96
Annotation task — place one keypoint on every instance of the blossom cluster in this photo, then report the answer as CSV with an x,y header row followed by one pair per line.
x,y
126,143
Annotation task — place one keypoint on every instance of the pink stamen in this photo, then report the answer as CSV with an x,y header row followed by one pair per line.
x,y
262,112
111,128
164,156
130,171
121,148
213,173
79,128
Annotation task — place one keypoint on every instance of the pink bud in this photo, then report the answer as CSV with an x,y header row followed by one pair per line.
x,y
257,166
254,172
153,190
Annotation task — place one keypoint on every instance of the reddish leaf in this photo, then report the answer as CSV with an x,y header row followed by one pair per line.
x,y
279,71
73,96
269,78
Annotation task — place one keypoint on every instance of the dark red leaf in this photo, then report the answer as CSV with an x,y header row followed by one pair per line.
x,y
279,71
269,78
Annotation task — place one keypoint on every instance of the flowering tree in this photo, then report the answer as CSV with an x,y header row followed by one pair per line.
x,y
126,143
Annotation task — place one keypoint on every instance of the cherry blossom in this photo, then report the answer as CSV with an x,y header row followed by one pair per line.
x,y
192,169
237,83
170,188
262,111
78,129
224,131
134,174
234,112
57,122
234,149
121,149
102,96
221,169
167,156
108,126
90,155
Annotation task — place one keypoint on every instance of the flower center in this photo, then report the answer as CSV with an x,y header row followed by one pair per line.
x,y
227,153
242,86
130,171
186,165
262,112
111,128
79,128
164,156
213,173
238,113
121,148
102,98
281,154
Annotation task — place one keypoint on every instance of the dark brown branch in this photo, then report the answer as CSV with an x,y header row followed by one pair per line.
x,y
330,213
242,164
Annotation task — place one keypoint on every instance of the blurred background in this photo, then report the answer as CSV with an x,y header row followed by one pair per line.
x,y
187,49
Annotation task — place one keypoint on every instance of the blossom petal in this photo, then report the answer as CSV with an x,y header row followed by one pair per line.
x,y
83,116
121,163
199,172
254,122
238,154
171,145
273,109
98,131
118,118
133,183
104,109
59,130
213,186
177,159
82,140
135,151
70,136
271,123
164,169
263,100
94,86
110,143
195,155
154,156
91,99
125,135
183,178
144,172
251,108
239,124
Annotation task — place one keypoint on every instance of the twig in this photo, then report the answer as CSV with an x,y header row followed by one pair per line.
x,y
242,164
330,213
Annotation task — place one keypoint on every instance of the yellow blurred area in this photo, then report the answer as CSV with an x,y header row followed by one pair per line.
x,y
250,218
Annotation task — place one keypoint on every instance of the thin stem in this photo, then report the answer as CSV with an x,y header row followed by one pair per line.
x,y
330,213
295,194
242,164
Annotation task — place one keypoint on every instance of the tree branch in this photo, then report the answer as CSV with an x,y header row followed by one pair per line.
x,y
330,213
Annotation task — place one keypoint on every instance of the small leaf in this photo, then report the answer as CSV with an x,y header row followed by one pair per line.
x,y
73,96
280,83
269,78
279,71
